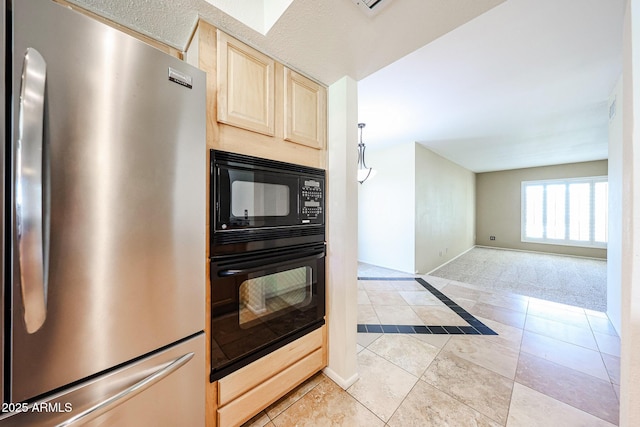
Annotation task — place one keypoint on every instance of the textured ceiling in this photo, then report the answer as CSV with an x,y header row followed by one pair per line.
x,y
326,39
257,14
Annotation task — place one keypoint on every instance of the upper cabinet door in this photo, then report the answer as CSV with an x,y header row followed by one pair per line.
x,y
245,86
305,115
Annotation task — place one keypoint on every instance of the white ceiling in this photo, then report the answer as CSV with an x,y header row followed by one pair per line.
x,y
525,83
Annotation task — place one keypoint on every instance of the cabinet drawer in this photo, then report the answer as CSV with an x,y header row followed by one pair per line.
x,y
247,405
247,378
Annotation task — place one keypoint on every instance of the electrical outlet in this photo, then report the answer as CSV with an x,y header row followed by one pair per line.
x,y
492,237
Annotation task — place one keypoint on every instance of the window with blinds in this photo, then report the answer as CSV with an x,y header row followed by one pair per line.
x,y
565,211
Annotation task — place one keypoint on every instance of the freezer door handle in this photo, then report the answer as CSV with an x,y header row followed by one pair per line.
x,y
121,397
30,205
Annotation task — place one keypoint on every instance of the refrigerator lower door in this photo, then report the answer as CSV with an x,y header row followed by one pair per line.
x,y
165,389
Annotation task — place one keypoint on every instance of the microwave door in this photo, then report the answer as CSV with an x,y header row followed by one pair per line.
x,y
255,199
260,204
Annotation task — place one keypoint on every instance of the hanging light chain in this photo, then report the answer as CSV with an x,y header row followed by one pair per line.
x,y
362,166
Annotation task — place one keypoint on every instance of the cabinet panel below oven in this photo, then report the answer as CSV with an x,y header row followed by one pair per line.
x,y
249,390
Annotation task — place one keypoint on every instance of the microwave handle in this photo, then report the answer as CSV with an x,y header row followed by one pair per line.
x,y
250,267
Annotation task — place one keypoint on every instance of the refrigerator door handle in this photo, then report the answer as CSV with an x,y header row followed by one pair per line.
x,y
128,393
29,202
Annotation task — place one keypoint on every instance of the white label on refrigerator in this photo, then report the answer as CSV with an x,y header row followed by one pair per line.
x,y
180,78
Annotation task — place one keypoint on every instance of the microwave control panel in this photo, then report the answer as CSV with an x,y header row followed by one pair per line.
x,y
312,200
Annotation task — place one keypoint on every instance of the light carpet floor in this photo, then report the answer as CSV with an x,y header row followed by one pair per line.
x,y
581,282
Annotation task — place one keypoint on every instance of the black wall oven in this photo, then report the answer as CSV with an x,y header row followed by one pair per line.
x,y
267,257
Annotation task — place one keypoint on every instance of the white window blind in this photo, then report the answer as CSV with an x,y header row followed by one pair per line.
x,y
565,211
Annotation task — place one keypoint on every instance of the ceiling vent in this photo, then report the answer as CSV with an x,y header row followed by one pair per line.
x,y
371,7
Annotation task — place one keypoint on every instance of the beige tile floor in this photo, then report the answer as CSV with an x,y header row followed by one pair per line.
x,y
550,364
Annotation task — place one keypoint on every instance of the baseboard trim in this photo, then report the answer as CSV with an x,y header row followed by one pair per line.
x,y
539,252
451,260
342,382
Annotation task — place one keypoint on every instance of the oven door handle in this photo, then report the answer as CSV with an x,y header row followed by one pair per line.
x,y
258,265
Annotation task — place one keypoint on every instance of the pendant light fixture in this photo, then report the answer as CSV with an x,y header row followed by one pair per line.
x,y
363,171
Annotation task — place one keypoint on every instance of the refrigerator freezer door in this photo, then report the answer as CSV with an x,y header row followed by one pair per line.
x,y
123,398
124,174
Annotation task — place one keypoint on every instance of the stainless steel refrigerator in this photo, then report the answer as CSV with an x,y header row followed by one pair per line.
x,y
103,231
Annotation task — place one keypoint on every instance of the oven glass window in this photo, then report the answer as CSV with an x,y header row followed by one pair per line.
x,y
259,199
264,297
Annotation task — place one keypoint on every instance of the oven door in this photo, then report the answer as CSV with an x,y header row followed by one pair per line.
x,y
262,301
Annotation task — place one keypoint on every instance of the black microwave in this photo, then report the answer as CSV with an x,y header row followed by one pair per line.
x,y
259,204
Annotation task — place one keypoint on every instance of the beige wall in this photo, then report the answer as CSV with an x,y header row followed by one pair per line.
x,y
445,210
498,206
417,213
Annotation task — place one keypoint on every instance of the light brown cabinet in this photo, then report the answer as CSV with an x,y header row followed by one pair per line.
x,y
247,391
257,94
257,107
246,86
305,106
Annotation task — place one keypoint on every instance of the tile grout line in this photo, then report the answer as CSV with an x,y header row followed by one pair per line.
x,y
519,347
465,404
515,375
420,378
362,403
593,333
402,401
292,403
386,423
475,325
557,399
559,365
